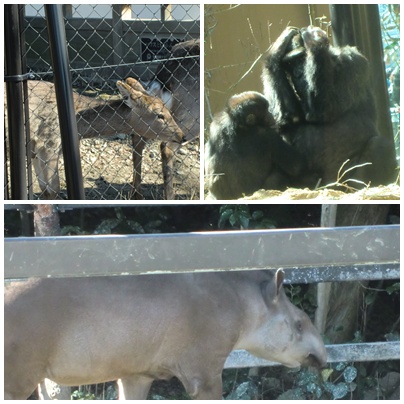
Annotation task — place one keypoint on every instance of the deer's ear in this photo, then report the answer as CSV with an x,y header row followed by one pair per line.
x,y
124,89
133,83
130,96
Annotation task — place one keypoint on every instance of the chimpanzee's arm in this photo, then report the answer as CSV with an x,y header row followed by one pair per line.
x,y
283,102
336,79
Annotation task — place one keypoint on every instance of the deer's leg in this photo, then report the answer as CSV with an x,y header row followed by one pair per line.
x,y
134,388
167,156
46,166
138,144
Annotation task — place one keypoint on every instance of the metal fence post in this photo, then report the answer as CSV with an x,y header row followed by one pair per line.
x,y
13,60
359,24
64,97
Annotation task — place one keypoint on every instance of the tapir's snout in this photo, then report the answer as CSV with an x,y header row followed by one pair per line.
x,y
318,360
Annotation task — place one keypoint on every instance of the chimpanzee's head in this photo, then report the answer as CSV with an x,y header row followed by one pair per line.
x,y
250,109
310,38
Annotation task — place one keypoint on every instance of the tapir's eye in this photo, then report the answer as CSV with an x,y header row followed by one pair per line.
x,y
299,326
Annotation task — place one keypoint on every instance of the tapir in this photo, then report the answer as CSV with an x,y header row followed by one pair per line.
x,y
78,331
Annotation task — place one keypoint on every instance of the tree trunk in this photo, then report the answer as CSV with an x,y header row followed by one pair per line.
x,y
328,218
46,223
346,297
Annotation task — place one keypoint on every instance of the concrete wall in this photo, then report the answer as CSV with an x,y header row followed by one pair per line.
x,y
122,47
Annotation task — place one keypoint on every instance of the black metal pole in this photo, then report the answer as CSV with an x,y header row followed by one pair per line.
x,y
359,25
15,108
64,97
342,24
375,51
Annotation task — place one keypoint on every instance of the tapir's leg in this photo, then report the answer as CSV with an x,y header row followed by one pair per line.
x,y
204,388
134,388
22,393
20,379
49,390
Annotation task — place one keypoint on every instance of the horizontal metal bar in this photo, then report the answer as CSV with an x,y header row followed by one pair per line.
x,y
70,206
342,273
363,352
18,77
184,252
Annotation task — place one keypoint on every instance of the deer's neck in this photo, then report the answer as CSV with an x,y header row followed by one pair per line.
x,y
104,119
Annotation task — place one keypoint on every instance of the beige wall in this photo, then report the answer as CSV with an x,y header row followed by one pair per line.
x,y
236,36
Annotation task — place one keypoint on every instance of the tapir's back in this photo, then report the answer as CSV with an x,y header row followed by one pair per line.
x,y
128,320
78,331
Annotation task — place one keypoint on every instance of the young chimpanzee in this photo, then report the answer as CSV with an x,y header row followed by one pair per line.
x,y
244,152
322,102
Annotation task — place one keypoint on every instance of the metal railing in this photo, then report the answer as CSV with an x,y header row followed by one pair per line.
x,y
307,256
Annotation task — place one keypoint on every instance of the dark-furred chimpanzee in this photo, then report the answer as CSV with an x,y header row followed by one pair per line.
x,y
244,152
321,99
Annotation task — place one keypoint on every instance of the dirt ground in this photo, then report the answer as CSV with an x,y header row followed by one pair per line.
x,y
108,170
388,192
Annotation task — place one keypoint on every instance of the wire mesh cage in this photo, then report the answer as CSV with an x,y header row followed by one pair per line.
x,y
155,48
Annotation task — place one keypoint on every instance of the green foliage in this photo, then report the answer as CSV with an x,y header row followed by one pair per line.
x,y
390,26
108,226
340,389
335,382
395,288
240,217
82,395
304,299
109,392
390,29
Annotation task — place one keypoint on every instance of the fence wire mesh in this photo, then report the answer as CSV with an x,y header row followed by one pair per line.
x,y
158,45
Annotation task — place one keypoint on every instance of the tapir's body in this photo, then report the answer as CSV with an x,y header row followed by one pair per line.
x,y
140,328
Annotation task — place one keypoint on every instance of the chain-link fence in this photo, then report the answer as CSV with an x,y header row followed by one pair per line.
x,y
157,47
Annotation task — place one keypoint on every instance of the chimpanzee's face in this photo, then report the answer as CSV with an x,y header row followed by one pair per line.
x,y
314,37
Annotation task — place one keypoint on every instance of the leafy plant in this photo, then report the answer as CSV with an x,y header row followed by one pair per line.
x,y
240,217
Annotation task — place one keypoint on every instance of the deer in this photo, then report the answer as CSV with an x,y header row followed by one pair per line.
x,y
138,113
177,84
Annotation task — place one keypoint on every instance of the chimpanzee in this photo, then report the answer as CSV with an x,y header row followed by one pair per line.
x,y
244,152
321,99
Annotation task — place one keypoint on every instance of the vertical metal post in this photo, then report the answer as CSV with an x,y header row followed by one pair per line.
x,y
374,45
166,10
342,24
359,25
13,57
5,174
64,97
28,143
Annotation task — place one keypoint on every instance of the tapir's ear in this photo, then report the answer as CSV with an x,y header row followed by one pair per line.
x,y
272,289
